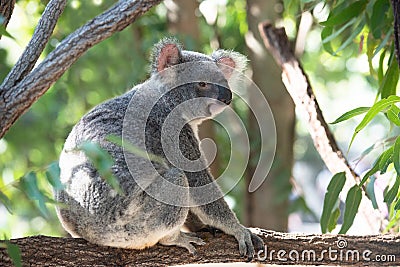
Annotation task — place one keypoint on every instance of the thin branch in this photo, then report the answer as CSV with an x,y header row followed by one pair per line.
x,y
396,27
6,10
35,47
298,86
16,100
281,248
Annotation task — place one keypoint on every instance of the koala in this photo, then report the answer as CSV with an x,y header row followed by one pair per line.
x,y
159,197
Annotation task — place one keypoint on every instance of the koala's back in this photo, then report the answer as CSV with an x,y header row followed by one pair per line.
x,y
89,197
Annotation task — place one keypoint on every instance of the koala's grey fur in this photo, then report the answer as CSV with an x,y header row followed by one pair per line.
x,y
94,211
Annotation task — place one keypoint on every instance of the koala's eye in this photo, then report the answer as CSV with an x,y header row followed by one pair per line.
x,y
203,85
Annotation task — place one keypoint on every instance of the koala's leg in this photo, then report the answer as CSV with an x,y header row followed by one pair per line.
x,y
218,214
193,223
181,239
173,236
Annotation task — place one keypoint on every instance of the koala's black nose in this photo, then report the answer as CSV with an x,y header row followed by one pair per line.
x,y
224,94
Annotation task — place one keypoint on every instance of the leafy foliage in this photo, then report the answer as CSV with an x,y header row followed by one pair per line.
x,y
347,22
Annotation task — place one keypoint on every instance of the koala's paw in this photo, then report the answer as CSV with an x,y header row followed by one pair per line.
x,y
183,240
249,243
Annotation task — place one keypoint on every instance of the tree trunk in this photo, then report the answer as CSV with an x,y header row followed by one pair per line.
x,y
268,206
281,248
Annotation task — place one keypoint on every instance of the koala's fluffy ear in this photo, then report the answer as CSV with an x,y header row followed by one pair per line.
x,y
165,53
231,63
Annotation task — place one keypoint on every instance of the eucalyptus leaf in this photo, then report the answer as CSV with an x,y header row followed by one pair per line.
x,y
103,163
28,184
370,190
15,253
350,114
353,200
372,112
353,10
385,160
390,80
393,114
383,42
4,32
396,155
390,195
333,219
352,36
378,16
331,199
53,176
6,202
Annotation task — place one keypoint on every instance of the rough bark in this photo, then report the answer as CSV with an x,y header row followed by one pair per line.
x,y
14,101
273,194
298,85
339,250
6,10
35,47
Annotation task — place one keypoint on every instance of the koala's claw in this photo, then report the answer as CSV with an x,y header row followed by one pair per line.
x,y
210,229
183,240
249,243
258,243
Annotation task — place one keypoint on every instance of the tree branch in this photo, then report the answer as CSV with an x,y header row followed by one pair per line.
x,y
296,249
6,10
298,86
16,100
35,47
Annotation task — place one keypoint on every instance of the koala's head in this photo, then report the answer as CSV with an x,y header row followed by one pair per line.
x,y
200,79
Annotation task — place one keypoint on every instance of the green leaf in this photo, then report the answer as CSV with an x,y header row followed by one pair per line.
x,y
390,195
352,36
135,150
325,33
389,83
370,190
333,219
103,163
371,44
350,114
378,17
5,33
53,176
353,200
380,67
15,253
6,202
393,114
333,34
331,199
28,185
372,171
383,42
397,206
385,159
350,12
396,155
372,112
